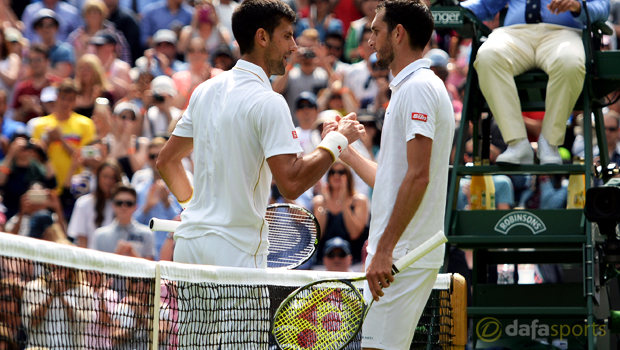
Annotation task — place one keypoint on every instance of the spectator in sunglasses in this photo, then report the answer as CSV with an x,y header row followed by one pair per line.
x,y
125,236
341,211
337,255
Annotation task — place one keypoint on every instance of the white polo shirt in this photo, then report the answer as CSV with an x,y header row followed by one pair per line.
x,y
237,121
419,105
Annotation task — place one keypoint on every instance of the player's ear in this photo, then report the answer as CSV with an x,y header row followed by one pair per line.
x,y
399,33
262,37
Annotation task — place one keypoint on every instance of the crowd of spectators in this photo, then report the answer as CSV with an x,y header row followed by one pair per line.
x,y
90,90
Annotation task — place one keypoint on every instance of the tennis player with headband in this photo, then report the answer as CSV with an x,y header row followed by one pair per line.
x,y
410,180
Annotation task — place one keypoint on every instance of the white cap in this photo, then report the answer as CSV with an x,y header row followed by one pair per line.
x,y
164,35
163,85
49,94
123,106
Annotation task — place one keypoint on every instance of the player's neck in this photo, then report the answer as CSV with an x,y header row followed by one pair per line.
x,y
258,59
403,59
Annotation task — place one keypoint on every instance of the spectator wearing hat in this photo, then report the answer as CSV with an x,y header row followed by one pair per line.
x,y
10,64
306,113
125,236
205,25
337,255
303,73
44,226
163,14
16,42
116,70
162,58
68,18
61,54
128,148
94,13
26,103
125,21
199,71
439,64
223,58
64,131
161,118
375,85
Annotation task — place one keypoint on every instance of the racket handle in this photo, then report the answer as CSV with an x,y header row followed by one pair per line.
x,y
416,254
163,225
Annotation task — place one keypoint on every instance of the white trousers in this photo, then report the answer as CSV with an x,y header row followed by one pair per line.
x,y
513,50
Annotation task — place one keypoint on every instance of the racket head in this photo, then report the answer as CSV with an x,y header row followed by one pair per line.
x,y
294,235
324,315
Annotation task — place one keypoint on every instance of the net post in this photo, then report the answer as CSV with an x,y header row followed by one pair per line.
x,y
458,287
156,307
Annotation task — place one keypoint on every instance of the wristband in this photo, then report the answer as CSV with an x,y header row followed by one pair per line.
x,y
5,170
185,203
132,150
334,143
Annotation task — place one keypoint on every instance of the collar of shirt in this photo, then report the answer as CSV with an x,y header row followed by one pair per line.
x,y
253,70
409,70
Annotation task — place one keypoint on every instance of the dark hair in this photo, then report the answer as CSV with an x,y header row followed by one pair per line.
x,y
122,188
40,48
347,170
252,15
365,30
5,46
67,86
334,35
100,197
413,15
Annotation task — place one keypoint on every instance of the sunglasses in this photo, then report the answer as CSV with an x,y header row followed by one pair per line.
x,y
611,129
153,156
305,105
125,203
196,51
6,298
338,254
339,172
46,25
125,116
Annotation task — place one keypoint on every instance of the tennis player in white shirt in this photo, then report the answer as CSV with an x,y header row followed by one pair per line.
x,y
242,133
410,181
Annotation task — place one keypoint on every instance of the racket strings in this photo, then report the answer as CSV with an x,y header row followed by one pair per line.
x,y
292,236
326,316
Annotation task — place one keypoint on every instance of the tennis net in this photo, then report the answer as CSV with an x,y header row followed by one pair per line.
x,y
61,297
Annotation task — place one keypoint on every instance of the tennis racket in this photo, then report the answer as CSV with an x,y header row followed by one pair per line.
x,y
328,314
294,234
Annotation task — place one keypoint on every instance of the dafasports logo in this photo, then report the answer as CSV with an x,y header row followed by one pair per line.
x,y
489,329
520,218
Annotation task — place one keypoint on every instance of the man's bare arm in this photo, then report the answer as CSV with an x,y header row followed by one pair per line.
x,y
408,201
171,168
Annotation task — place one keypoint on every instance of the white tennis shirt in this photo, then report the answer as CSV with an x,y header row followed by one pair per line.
x,y
419,105
237,121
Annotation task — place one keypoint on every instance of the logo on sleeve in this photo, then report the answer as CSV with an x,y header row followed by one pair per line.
x,y
294,134
419,116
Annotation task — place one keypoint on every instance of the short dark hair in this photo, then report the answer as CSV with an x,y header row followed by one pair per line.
x,y
68,86
334,35
413,15
365,30
120,188
40,48
252,15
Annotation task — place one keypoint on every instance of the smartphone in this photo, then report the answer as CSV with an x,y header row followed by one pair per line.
x,y
37,196
90,152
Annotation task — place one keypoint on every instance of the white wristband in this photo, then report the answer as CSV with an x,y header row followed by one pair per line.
x,y
334,143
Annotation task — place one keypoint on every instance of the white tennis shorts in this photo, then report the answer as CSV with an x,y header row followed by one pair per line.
x,y
391,321
213,317
213,249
